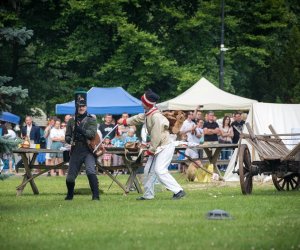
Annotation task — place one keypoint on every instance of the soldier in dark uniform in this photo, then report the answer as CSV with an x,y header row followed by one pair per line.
x,y
77,136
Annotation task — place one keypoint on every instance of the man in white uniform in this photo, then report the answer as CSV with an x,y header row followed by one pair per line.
x,y
161,149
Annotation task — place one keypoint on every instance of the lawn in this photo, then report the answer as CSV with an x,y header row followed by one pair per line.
x,y
267,219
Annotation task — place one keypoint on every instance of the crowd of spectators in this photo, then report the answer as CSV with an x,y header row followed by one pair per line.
x,y
196,129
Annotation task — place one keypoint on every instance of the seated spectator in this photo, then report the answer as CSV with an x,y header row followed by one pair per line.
x,y
119,143
130,136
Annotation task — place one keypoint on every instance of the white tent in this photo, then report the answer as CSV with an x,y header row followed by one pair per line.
x,y
285,118
212,98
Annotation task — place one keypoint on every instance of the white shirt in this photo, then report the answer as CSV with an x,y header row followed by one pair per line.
x,y
28,131
188,125
56,133
10,134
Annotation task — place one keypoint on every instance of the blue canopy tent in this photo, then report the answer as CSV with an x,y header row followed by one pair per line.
x,y
105,101
9,117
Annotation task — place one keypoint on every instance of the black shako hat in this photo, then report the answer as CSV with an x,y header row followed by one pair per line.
x,y
80,98
149,98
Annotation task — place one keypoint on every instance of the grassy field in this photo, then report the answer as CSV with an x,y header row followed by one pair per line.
x,y
267,219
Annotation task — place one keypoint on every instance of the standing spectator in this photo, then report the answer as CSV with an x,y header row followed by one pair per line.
x,y
67,118
197,115
10,133
9,156
211,129
31,131
226,138
206,117
63,126
107,127
200,134
47,131
57,136
238,123
188,128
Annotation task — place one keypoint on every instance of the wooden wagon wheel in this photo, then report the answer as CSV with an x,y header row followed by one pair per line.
x,y
290,181
245,169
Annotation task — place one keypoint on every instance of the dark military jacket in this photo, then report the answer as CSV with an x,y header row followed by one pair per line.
x,y
88,127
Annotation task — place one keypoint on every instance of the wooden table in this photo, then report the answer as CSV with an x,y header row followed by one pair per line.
x,y
131,163
212,151
29,165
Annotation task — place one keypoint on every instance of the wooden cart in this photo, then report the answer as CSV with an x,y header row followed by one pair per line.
x,y
275,159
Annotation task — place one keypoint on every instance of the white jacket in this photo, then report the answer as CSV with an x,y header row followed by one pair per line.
x,y
157,126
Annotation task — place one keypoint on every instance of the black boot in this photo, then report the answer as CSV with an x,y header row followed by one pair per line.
x,y
70,186
93,180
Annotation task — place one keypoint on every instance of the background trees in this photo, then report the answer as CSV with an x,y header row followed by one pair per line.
x,y
50,47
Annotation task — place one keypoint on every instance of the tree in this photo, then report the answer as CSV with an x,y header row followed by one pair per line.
x,y
163,45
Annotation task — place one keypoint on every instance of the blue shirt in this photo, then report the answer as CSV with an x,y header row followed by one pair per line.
x,y
117,142
131,139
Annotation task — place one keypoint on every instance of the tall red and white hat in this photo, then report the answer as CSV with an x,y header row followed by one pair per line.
x,y
149,98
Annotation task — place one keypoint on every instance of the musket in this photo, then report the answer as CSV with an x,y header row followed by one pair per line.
x,y
98,145
76,123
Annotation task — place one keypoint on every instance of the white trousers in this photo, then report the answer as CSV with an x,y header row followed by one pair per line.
x,y
157,168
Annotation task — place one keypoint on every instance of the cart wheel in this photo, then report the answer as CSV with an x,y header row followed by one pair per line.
x,y
290,181
245,170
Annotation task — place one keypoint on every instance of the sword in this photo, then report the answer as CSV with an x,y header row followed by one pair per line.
x,y
104,138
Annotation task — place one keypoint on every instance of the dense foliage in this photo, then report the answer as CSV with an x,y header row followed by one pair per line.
x,y
51,47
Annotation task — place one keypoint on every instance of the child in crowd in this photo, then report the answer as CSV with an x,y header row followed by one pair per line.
x,y
106,158
118,143
130,136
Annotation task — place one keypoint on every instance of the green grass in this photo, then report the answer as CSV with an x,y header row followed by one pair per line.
x,y
267,219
